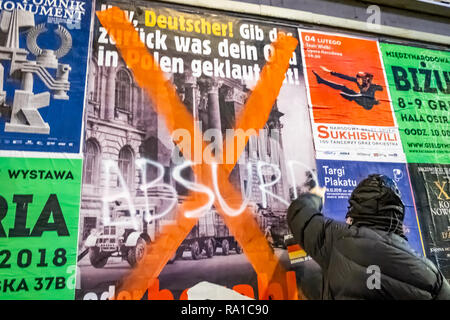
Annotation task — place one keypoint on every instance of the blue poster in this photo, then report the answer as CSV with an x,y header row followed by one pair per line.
x,y
43,63
341,177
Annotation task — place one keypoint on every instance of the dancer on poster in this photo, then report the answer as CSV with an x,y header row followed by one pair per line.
x,y
365,98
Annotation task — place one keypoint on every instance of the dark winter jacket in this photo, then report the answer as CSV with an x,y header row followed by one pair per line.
x,y
345,252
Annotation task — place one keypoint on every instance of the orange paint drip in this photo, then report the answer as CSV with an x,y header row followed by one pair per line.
x,y
167,104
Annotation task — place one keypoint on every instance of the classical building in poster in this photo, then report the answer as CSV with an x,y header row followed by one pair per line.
x,y
122,126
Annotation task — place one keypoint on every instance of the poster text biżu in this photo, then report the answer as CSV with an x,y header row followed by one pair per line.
x,y
419,83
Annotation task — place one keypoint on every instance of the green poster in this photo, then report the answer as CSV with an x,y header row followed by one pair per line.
x,y
39,206
419,83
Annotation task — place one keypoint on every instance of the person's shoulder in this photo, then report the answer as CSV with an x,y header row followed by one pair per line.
x,y
389,238
396,243
306,200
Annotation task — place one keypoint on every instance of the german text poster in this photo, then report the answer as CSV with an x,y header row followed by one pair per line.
x,y
213,61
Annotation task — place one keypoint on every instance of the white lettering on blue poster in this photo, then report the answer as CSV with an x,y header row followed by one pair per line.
x,y
43,64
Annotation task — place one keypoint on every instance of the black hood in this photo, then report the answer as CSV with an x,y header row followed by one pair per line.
x,y
376,203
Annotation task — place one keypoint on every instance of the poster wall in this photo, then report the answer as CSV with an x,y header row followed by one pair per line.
x,y
349,100
419,83
39,213
73,228
127,145
341,177
431,184
43,56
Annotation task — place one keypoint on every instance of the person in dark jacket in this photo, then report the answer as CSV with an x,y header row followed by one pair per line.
x,y
371,244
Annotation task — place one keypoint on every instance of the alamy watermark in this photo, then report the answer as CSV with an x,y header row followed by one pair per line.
x,y
373,22
374,279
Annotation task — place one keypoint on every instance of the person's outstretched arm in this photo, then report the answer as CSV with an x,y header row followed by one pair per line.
x,y
377,87
311,229
343,76
339,75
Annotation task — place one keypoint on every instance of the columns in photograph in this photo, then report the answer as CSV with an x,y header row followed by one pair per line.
x,y
110,93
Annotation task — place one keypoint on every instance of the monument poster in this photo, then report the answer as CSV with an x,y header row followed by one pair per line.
x,y
43,62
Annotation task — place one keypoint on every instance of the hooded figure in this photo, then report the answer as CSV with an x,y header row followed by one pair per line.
x,y
369,256
376,203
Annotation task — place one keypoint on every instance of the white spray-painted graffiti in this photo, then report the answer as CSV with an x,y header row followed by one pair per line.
x,y
142,164
123,192
228,210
